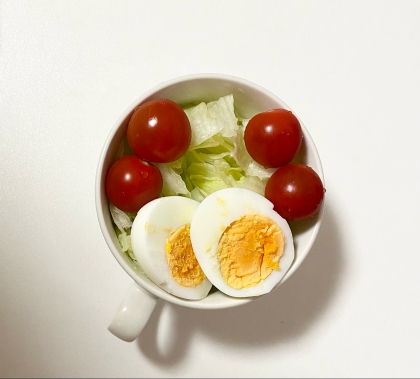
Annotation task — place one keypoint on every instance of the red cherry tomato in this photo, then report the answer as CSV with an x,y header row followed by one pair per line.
x,y
131,183
273,138
159,131
296,191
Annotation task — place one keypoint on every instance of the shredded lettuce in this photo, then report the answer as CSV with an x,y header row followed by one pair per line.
x,y
122,226
217,157
207,120
121,219
173,184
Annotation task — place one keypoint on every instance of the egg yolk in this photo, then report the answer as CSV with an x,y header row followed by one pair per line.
x,y
249,250
181,259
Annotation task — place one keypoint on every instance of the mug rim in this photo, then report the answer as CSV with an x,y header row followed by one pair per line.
x,y
154,289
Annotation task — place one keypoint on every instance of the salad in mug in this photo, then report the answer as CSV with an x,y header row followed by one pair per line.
x,y
201,197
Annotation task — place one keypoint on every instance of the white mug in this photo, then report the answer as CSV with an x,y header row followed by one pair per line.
x,y
250,99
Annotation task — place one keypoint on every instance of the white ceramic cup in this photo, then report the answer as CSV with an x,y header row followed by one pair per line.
x,y
250,99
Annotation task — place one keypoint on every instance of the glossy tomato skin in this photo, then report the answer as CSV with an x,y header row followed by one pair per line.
x,y
159,131
131,183
273,138
296,191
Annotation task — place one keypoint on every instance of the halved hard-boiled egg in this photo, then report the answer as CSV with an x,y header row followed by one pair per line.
x,y
243,246
160,237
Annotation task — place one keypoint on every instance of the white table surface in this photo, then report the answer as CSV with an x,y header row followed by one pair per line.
x,y
349,69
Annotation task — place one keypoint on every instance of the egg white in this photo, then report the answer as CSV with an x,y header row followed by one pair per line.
x,y
151,228
216,212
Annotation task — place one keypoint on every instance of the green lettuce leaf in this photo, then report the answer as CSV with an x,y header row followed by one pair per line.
x,y
217,157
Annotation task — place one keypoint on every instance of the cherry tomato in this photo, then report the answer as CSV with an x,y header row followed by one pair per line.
x,y
296,191
131,183
273,138
159,131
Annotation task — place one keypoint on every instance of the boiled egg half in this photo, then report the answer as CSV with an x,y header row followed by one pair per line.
x,y
243,246
160,237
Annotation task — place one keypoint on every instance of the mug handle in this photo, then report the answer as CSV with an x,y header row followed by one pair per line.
x,y
133,314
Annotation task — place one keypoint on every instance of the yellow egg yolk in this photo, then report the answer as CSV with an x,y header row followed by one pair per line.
x,y
181,259
249,250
